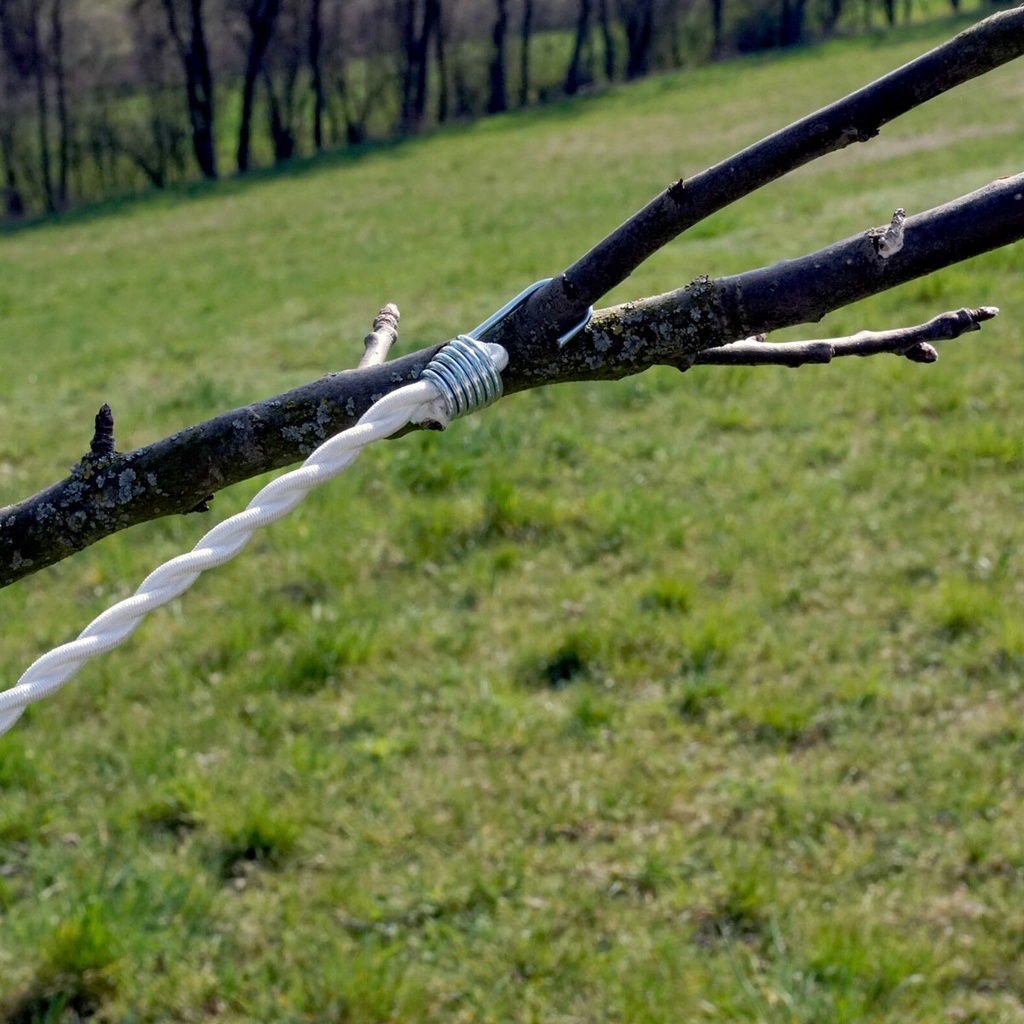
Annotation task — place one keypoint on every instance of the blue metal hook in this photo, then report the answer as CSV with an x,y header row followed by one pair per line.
x,y
495,318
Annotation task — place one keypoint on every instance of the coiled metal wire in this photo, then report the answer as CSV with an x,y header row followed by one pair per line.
x,y
465,374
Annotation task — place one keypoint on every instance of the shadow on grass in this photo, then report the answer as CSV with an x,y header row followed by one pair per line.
x,y
263,839
76,977
69,998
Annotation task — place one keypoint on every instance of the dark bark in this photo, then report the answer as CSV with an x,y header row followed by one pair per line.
x,y
408,56
316,73
279,117
638,21
673,328
14,205
63,114
104,495
431,25
574,76
260,16
418,31
497,101
194,54
716,28
791,22
525,32
38,63
607,39
200,75
442,66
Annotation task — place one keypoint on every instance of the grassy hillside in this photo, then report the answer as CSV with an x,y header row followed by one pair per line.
x,y
686,698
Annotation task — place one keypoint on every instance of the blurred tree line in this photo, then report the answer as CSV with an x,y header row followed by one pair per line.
x,y
102,97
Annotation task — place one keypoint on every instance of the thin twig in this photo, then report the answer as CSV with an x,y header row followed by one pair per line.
x,y
385,334
912,343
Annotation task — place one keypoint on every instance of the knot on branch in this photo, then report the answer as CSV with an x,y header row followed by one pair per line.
x,y
922,353
891,240
102,442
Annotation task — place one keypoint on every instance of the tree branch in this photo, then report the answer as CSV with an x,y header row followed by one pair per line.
x,y
108,492
671,329
913,343
858,117
384,335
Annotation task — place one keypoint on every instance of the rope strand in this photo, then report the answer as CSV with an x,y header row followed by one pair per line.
x,y
416,403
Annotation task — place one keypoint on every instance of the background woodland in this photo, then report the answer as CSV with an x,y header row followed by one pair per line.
x,y
100,99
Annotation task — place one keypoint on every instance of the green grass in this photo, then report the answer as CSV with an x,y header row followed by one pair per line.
x,y
684,698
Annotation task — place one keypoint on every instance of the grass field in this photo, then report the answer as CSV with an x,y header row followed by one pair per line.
x,y
688,698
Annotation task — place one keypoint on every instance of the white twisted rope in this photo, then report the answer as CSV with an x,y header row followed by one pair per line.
x,y
416,403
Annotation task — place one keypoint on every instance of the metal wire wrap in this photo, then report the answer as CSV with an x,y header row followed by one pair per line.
x,y
465,374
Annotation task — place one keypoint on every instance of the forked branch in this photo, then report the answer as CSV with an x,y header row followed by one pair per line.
x,y
858,117
108,491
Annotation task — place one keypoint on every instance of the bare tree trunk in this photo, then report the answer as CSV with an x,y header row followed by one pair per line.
x,y
638,16
607,39
195,62
442,67
200,88
63,117
14,205
497,100
431,19
38,64
409,58
281,116
791,22
524,53
716,28
574,75
260,16
415,59
316,72
833,11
